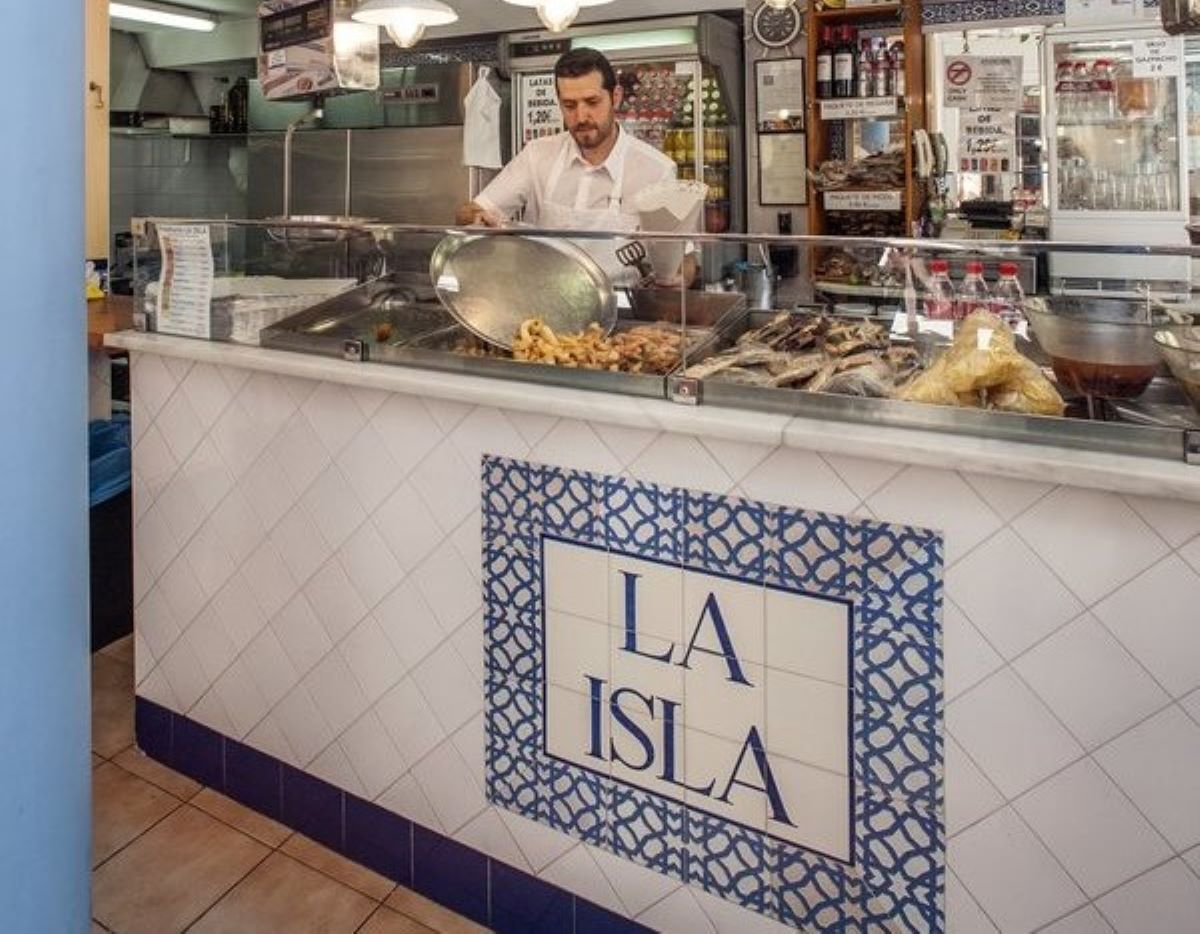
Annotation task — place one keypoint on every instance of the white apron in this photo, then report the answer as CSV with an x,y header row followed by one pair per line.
x,y
481,124
576,217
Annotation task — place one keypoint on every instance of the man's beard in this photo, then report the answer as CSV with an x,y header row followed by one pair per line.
x,y
592,132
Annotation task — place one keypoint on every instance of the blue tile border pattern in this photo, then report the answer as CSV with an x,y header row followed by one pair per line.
x,y
940,12
456,876
891,577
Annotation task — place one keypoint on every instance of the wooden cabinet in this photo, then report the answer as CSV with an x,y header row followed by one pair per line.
x,y
95,116
834,135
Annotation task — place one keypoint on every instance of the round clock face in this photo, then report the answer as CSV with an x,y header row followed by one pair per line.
x,y
776,28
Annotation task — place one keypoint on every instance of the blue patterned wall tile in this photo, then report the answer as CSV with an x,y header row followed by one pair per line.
x,y
513,509
934,12
379,839
649,830
643,519
253,778
725,535
198,752
592,919
513,645
522,903
903,866
514,712
512,582
813,892
574,505
577,803
451,874
731,862
516,779
807,551
152,728
313,807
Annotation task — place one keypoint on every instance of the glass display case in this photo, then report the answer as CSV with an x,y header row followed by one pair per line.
x,y
1102,372
1117,137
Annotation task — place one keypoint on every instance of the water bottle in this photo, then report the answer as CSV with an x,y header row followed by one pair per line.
x,y
1008,298
939,292
973,294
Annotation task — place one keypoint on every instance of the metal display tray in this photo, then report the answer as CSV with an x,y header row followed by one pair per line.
x,y
423,333
1166,441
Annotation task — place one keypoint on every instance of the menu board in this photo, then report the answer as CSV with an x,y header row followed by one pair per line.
x,y
779,86
540,115
185,283
987,140
782,169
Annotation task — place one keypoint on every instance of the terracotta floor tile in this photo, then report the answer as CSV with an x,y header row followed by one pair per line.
x,y
135,761
121,650
112,705
386,921
261,828
97,929
333,864
96,760
170,875
284,895
123,806
431,914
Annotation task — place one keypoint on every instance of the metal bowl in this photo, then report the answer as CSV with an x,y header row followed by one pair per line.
x,y
314,228
1180,347
1101,346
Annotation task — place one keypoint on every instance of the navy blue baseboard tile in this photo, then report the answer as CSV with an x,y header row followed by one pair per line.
x,y
454,875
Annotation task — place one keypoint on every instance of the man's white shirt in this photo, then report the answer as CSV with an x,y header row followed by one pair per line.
x,y
631,166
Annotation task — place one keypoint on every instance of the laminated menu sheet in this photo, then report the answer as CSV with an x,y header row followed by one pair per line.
x,y
185,284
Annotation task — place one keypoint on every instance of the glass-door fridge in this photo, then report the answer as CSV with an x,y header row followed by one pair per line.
x,y
1118,156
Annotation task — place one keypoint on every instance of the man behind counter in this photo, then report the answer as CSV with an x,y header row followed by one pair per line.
x,y
582,179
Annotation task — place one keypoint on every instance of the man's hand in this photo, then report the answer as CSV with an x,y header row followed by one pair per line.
x,y
472,213
684,276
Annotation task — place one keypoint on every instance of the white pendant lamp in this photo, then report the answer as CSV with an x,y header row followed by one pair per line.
x,y
404,20
779,4
557,15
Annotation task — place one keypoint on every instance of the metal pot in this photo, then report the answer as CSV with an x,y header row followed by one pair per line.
x,y
757,282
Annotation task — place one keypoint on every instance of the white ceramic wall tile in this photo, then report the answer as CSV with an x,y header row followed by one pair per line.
x,y
1156,617
241,698
970,797
1010,618
532,426
210,711
1010,734
1157,764
239,438
154,542
862,475
210,645
334,416
1165,901
485,430
1191,553
179,367
577,871
299,544
448,484
624,443
367,400
267,489
180,508
207,475
269,579
637,887
154,382
572,443
1090,681
807,636
334,600
1086,920
237,525
576,648
468,542
540,845
728,709
743,609
372,659
1091,827
1191,704
407,799
368,468
409,720
679,912
208,559
1176,522
409,624
471,743
576,580
299,452
182,591
487,834
154,687
729,918
449,787
238,611
336,692
963,914
372,754
662,460
446,413
269,738
967,656
1008,496
333,766
407,430
737,458
156,623
1093,540
407,526
301,634
446,683
334,508
1011,874
369,564
302,725
807,720
790,477
180,426
1192,858
182,670
155,462
207,392
937,499
447,586
818,808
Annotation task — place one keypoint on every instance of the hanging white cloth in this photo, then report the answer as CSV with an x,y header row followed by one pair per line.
x,y
481,124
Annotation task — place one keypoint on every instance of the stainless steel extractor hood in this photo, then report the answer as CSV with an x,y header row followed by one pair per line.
x,y
141,89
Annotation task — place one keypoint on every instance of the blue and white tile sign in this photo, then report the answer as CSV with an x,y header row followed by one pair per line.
x,y
741,696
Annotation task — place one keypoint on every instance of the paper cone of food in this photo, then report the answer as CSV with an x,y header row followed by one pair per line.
x,y
669,207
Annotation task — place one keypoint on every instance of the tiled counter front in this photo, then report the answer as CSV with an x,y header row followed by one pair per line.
x,y
308,573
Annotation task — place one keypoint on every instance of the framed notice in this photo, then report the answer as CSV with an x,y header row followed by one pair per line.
x,y
779,95
782,169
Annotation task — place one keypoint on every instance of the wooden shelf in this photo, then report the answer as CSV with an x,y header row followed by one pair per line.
x,y
875,11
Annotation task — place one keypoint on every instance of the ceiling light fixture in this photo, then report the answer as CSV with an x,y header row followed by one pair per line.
x,y
162,16
557,15
404,20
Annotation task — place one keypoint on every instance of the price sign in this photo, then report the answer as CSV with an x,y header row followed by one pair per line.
x,y
982,81
1157,58
863,200
987,140
851,108
540,115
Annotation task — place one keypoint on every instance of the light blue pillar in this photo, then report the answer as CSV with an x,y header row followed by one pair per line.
x,y
45,823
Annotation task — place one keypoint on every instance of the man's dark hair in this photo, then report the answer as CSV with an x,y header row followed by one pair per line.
x,y
580,62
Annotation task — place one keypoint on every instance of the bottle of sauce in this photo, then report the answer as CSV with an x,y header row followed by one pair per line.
x,y
866,69
825,64
896,60
843,64
881,73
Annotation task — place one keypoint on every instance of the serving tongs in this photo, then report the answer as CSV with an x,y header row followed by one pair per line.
x,y
633,255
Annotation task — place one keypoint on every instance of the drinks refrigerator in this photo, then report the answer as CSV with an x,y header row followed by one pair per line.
x,y
681,78
1118,156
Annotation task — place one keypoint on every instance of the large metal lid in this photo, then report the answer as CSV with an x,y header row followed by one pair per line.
x,y
493,283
